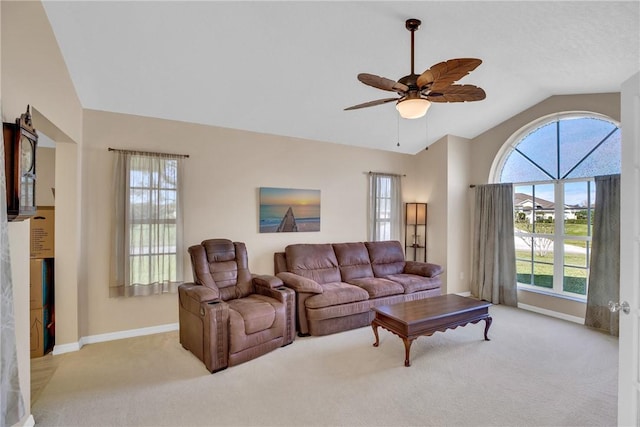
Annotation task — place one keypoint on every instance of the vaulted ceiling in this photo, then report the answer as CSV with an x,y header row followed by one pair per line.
x,y
289,67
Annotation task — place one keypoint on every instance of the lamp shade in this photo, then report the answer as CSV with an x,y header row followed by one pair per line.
x,y
413,108
411,214
421,213
416,213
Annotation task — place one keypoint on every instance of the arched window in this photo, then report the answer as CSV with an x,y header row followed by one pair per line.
x,y
552,163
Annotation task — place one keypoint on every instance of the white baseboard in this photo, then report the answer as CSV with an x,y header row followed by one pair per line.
x,y
464,294
29,422
552,313
66,348
111,336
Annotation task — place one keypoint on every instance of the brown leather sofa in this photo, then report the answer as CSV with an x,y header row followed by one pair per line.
x,y
228,315
337,284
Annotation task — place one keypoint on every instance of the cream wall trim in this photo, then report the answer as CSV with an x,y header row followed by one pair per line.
x,y
464,294
551,313
112,336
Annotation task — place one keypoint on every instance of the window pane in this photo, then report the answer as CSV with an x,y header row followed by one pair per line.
x,y
152,269
542,200
541,146
575,253
605,160
524,260
543,273
167,204
577,210
575,280
523,206
518,169
578,137
139,178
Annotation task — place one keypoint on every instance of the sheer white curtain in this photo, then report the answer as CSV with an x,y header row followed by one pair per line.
x,y
604,270
384,218
147,249
11,401
493,273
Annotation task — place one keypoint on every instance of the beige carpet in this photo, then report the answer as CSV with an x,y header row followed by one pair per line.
x,y
535,371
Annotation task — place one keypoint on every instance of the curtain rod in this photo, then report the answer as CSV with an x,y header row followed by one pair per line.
x,y
385,173
184,156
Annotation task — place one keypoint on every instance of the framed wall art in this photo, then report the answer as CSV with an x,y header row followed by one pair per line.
x,y
289,210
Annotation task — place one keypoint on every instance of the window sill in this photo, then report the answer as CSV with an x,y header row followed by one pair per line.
x,y
535,290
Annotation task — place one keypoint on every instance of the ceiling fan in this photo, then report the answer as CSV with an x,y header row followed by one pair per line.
x,y
436,84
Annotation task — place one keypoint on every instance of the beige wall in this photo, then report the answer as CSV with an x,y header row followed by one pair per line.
x,y
431,172
222,177
443,182
46,167
458,229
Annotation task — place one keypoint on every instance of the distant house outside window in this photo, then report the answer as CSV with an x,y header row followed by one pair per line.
x,y
552,164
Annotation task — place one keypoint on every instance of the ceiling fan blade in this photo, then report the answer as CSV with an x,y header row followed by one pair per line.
x,y
382,83
371,103
446,73
457,93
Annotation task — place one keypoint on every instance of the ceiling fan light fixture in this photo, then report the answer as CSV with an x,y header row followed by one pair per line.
x,y
413,108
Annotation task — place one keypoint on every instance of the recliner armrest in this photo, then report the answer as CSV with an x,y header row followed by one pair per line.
x,y
266,280
424,269
299,283
192,297
198,292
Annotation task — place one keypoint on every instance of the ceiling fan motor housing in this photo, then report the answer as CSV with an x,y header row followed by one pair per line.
x,y
435,84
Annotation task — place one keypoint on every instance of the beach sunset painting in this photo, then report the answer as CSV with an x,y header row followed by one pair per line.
x,y
289,210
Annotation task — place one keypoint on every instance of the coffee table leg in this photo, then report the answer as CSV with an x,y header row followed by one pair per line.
x,y
487,325
374,325
407,350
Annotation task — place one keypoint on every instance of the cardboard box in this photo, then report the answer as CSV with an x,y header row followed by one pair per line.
x,y
41,281
42,233
42,338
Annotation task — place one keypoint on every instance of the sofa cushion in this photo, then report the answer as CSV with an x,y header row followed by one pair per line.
x,y
353,259
378,287
314,261
336,293
387,257
413,283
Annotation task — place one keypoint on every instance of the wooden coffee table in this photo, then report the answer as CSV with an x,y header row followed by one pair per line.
x,y
412,319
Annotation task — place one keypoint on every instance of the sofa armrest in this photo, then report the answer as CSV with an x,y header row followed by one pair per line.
x,y
267,281
299,283
423,269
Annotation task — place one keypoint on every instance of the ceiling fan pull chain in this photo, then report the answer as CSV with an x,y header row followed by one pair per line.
x,y
398,121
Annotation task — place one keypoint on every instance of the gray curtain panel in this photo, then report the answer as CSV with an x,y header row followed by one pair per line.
x,y
493,274
11,401
604,270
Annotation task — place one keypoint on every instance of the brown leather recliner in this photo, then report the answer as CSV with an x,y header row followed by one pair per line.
x,y
229,316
